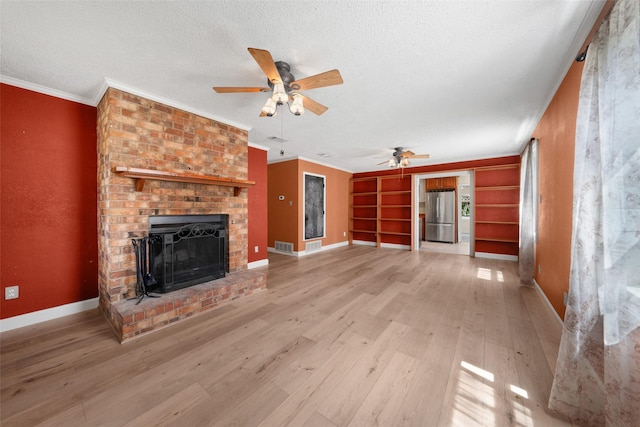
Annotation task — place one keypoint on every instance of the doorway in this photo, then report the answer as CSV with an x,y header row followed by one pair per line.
x,y
463,186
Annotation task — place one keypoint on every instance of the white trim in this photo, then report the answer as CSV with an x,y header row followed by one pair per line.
x,y
47,314
304,206
363,243
286,159
496,256
417,177
258,146
546,300
12,81
101,91
325,248
259,263
323,164
275,251
126,88
395,246
282,160
304,253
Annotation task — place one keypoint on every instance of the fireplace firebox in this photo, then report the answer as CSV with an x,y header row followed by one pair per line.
x,y
186,250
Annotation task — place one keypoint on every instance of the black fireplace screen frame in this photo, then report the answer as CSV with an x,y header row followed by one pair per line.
x,y
186,250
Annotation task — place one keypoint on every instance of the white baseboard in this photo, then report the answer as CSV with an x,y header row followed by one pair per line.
x,y
496,256
325,248
395,246
382,245
546,300
363,243
259,263
305,253
47,314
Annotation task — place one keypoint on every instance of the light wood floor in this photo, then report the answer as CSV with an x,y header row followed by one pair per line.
x,y
353,336
461,248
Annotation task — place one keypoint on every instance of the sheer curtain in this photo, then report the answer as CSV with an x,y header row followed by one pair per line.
x,y
528,195
597,380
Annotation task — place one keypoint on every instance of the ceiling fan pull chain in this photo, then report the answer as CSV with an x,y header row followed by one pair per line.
x,y
281,134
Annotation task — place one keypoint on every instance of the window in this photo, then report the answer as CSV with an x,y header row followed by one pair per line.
x,y
465,205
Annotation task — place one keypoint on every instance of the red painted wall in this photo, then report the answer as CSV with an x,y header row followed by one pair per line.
x,y
257,204
48,223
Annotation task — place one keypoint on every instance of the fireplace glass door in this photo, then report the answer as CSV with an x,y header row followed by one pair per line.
x,y
183,255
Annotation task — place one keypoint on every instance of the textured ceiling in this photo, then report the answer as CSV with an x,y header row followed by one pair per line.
x,y
456,79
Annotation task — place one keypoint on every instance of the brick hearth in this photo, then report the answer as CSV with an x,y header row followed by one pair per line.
x,y
139,133
156,313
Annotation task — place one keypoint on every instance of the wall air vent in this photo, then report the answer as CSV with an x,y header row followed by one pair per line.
x,y
313,246
284,247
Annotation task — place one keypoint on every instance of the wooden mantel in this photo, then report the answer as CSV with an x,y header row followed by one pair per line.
x,y
141,175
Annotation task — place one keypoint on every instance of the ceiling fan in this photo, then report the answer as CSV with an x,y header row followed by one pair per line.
x,y
400,158
284,87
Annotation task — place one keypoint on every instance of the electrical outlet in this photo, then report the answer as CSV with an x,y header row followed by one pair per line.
x,y
344,234
11,292
539,268
256,249
565,297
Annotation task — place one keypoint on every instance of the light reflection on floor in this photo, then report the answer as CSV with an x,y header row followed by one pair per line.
x,y
475,400
486,274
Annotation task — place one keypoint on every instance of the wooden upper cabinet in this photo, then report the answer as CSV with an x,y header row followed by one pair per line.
x,y
447,183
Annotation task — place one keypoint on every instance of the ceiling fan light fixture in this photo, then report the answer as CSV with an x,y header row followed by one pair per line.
x,y
404,162
270,107
297,106
392,162
279,94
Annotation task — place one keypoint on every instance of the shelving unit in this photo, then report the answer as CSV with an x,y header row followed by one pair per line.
x,y
364,210
382,210
497,195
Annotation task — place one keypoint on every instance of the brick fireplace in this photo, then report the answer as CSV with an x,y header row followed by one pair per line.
x,y
135,132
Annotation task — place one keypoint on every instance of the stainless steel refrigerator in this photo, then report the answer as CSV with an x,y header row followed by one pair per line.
x,y
440,216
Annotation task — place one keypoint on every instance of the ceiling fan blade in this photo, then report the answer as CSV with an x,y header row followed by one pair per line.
x,y
408,153
313,106
420,156
383,163
240,89
328,78
265,61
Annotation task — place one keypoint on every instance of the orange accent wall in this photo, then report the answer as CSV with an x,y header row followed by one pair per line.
x,y
556,132
48,221
336,203
283,214
285,217
257,205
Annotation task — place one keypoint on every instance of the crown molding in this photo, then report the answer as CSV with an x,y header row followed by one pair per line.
x,y
34,87
258,146
327,165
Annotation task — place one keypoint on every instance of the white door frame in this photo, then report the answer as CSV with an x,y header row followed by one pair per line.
x,y
416,204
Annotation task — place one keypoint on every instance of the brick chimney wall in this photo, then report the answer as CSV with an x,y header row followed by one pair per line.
x,y
137,132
